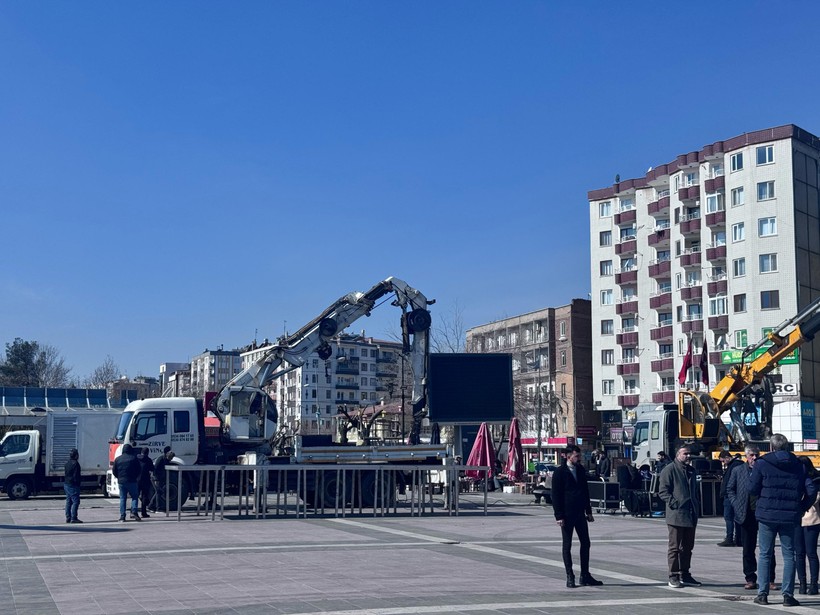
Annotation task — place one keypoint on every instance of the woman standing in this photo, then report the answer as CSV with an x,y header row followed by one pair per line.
x,y
805,539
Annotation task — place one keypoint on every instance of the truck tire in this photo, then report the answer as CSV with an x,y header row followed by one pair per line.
x,y
18,488
328,490
173,505
377,490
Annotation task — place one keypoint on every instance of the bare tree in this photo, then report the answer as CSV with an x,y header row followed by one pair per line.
x,y
449,334
31,364
102,375
53,370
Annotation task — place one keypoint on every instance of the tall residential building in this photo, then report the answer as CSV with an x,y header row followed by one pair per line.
x,y
717,246
171,376
552,376
211,370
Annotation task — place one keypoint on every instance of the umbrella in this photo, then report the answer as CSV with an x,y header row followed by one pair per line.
x,y
483,453
514,468
435,434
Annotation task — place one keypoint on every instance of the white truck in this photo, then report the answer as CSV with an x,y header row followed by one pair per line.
x,y
33,461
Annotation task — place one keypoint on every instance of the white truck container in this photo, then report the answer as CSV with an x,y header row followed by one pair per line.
x,y
33,461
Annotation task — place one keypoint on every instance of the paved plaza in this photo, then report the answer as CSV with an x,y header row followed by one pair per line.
x,y
508,561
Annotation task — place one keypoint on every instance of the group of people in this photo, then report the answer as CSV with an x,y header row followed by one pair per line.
x,y
135,474
775,495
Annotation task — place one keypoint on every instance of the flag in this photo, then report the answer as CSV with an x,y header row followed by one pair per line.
x,y
704,365
687,363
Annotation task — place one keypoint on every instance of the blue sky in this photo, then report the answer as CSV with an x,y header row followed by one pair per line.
x,y
179,175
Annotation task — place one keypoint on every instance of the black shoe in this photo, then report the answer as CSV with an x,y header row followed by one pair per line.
x,y
68,520
675,582
145,515
802,587
135,517
76,521
812,589
587,579
571,581
726,543
789,600
122,519
761,599
688,579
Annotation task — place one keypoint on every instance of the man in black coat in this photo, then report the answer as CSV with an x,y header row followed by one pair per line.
x,y
144,482
573,511
729,464
71,486
127,470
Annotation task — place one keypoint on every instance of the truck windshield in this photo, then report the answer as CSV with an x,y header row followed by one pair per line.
x,y
641,434
125,419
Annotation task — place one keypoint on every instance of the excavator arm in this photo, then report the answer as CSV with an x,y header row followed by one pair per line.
x,y
244,408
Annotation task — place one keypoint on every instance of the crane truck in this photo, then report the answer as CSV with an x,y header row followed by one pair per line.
x,y
697,417
241,420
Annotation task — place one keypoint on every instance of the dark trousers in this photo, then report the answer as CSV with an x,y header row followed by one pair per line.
x,y
805,547
145,495
732,528
681,543
748,538
581,528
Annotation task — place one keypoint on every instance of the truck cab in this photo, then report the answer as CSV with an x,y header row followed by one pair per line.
x,y
19,455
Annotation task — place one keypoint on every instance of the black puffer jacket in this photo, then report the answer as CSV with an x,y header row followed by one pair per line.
x,y
779,481
126,468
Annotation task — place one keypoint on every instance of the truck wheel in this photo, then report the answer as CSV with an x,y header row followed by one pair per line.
x,y
328,490
18,488
377,491
173,505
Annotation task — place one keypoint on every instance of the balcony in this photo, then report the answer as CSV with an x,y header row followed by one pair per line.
x,y
716,218
659,206
629,245
626,217
715,184
628,369
717,288
663,397
627,307
626,276
660,268
691,293
716,358
660,300
719,323
692,326
716,253
690,226
689,193
662,332
627,338
659,237
627,401
690,259
385,359
663,364
346,385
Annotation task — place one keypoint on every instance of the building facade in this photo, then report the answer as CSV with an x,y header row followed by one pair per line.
x,y
211,370
552,377
715,247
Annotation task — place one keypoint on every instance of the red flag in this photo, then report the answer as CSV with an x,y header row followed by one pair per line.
x,y
687,363
704,365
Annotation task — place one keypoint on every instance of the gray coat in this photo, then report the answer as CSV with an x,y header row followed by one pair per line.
x,y
737,491
679,489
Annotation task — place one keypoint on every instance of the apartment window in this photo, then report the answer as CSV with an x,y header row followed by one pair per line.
x,y
605,209
630,385
714,202
691,179
738,197
766,227
769,299
605,238
719,238
738,232
627,204
608,357
664,319
563,389
736,161
739,267
765,154
608,387
741,338
740,303
563,358
628,233
768,263
665,350
607,327
718,306
765,191
606,297
606,268
562,329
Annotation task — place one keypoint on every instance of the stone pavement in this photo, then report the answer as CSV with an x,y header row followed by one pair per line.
x,y
506,562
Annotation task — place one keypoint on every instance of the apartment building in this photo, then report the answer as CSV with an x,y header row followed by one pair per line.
x,y
552,376
717,247
211,370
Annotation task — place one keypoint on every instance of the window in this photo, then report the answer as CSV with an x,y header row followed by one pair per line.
x,y
665,350
766,227
182,421
665,319
738,198
606,268
740,303
606,297
738,232
739,267
691,179
605,209
736,161
768,263
563,389
630,385
562,328
741,338
607,327
608,387
628,233
605,238
719,238
150,424
714,202
769,299
627,204
765,191
718,306
564,358
16,444
765,154
607,357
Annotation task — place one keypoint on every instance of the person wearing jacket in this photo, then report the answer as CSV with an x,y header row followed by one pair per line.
x,y
144,481
71,486
732,529
782,489
127,470
679,489
573,512
805,538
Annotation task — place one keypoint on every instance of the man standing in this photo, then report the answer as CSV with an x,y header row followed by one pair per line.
x,y
604,466
144,482
71,486
127,470
573,511
678,488
783,494
729,463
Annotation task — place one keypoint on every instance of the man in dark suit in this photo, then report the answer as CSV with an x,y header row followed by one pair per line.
x,y
573,511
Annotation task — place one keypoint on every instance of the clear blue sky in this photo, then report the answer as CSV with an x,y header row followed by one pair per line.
x,y
179,175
